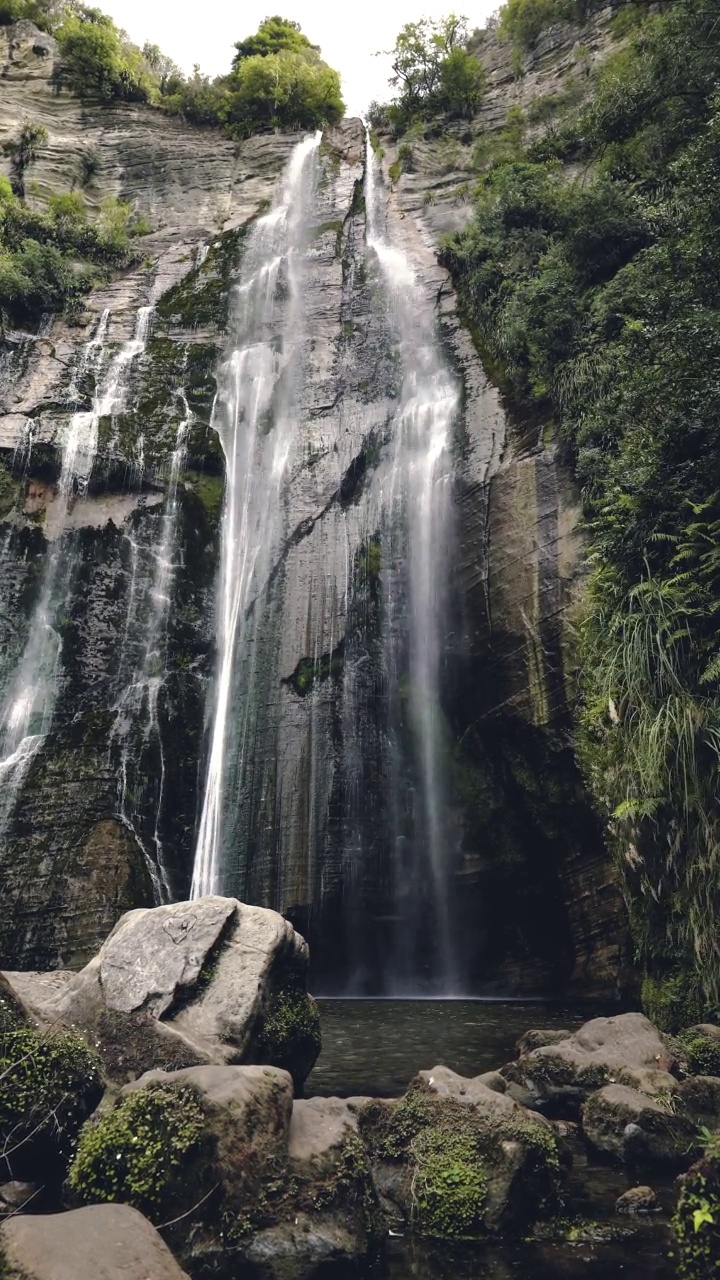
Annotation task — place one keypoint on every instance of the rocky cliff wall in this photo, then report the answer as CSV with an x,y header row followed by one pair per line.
x,y
107,821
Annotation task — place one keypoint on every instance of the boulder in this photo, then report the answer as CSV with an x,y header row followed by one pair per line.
x,y
101,1242
537,1038
190,984
638,1129
700,1097
557,1078
637,1200
253,1178
456,1158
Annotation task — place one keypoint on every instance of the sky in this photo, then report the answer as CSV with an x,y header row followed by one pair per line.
x,y
205,31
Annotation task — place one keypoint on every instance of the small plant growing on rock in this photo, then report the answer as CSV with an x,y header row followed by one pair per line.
x,y
696,1224
49,1084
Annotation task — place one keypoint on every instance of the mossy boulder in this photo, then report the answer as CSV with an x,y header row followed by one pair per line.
x,y
558,1078
254,1178
673,1001
456,1159
698,1050
696,1224
195,983
49,1085
146,1152
639,1130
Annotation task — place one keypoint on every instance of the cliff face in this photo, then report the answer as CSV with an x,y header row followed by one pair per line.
x,y
105,808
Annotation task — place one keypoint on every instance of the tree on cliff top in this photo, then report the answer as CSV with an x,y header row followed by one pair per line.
x,y
434,71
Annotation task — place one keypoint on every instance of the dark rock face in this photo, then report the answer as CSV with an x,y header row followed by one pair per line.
x,y
106,817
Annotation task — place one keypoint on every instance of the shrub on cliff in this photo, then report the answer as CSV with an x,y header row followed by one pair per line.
x,y
434,73
97,61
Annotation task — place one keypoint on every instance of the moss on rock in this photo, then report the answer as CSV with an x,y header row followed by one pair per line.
x,y
696,1224
673,1001
465,1172
449,1183
698,1052
50,1084
147,1152
289,1034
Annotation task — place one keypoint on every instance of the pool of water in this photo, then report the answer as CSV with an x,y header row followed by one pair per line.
x,y
375,1047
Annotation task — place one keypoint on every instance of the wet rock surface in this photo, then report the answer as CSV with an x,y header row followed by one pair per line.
x,y
209,981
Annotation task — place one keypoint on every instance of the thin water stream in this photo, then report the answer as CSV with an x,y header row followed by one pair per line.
x,y
31,691
255,420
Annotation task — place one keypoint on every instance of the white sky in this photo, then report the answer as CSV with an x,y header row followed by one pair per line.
x,y
205,31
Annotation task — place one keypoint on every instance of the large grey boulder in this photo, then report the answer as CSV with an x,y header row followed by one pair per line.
x,y
638,1129
193,983
283,1187
100,1242
557,1078
456,1158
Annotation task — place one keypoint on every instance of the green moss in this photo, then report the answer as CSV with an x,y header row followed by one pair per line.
x,y
50,1083
209,489
312,671
289,1034
449,1184
450,1152
9,491
696,1224
146,1152
202,297
673,1002
699,1052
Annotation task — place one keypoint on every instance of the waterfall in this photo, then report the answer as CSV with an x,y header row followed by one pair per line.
x,y
414,501
255,421
29,702
137,732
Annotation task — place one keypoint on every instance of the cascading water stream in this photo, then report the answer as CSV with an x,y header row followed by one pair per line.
x,y
153,568
254,418
29,701
414,501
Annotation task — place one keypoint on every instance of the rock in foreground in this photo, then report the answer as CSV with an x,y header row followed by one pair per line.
x,y
252,1177
102,1242
191,984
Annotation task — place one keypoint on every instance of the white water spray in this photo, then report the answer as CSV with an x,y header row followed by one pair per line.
x,y
255,421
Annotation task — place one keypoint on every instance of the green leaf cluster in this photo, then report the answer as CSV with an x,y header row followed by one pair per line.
x,y
434,72
48,1085
48,261
696,1224
599,296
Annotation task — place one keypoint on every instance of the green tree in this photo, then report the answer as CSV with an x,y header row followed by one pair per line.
x,y
273,36
96,61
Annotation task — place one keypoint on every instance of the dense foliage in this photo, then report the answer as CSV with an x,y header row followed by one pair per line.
x,y
278,79
49,260
599,293
434,73
522,21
